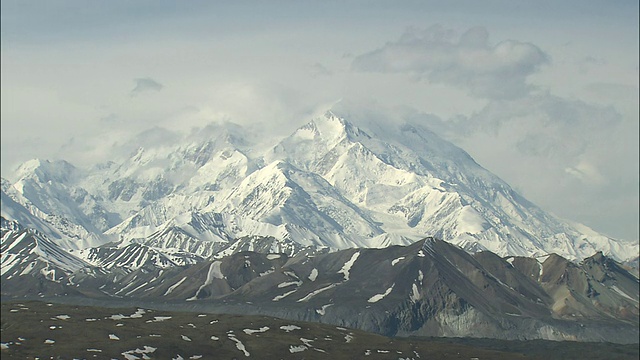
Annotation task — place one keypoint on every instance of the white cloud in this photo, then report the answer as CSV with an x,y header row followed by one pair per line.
x,y
587,173
471,62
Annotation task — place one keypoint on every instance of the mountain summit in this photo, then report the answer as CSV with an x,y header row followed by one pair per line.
x,y
331,183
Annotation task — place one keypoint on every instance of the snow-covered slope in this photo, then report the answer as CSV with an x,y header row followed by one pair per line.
x,y
329,184
282,195
413,182
25,251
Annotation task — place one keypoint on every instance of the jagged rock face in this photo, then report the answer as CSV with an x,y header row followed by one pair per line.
x,y
428,288
587,290
331,183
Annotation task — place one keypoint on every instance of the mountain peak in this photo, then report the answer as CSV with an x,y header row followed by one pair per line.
x,y
45,170
332,125
29,167
223,133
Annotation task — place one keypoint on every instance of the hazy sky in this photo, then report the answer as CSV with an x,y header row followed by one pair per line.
x,y
542,93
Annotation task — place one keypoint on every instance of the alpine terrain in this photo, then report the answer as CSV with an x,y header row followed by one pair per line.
x,y
329,184
388,229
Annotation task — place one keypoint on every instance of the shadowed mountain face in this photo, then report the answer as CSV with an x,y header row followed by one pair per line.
x,y
429,288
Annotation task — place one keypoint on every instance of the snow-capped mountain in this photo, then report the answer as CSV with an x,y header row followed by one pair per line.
x,y
329,184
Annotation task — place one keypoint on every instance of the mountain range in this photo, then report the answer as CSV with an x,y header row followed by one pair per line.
x,y
388,229
329,184
429,288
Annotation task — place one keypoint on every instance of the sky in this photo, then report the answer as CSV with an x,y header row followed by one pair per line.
x,y
542,93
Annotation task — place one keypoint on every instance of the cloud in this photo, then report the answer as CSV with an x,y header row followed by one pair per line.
x,y
543,125
144,85
587,173
488,71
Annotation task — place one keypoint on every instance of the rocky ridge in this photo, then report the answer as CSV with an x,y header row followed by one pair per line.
x,y
429,288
